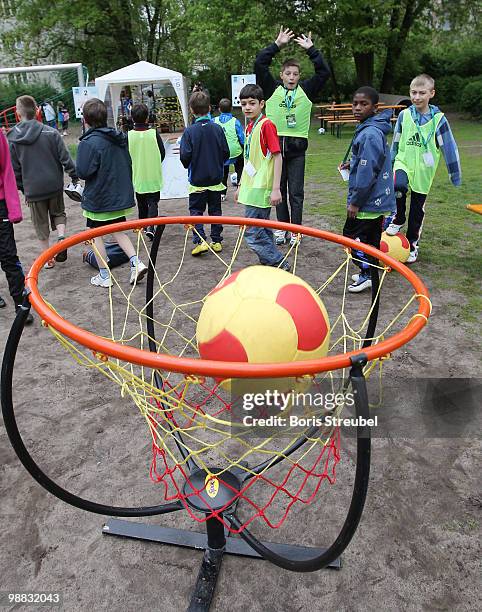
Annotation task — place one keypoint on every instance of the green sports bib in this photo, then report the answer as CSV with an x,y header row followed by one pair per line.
x,y
256,190
229,128
290,111
146,161
418,154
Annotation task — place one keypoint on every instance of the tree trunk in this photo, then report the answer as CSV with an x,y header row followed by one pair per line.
x,y
364,63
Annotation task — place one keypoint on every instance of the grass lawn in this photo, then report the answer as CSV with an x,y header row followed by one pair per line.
x,y
450,251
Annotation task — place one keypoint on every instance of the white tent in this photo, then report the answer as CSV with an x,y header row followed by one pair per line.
x,y
142,73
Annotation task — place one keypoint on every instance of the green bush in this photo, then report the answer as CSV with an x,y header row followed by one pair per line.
x,y
448,89
10,92
471,99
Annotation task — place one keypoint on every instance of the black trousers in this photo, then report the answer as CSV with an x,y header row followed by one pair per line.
x,y
148,204
8,256
417,209
238,167
368,231
292,185
198,201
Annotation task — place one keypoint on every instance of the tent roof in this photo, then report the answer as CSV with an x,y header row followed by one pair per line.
x,y
140,72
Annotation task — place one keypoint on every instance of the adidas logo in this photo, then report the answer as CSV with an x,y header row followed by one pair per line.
x,y
414,141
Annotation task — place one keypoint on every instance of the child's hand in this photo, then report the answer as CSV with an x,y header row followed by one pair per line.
x,y
352,211
275,197
344,166
236,195
304,41
284,37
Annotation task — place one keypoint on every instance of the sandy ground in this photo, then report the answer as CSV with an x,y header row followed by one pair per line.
x,y
417,547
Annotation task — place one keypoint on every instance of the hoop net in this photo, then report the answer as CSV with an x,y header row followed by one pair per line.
x,y
187,409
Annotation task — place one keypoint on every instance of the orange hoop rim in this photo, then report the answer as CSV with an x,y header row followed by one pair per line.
x,y
225,369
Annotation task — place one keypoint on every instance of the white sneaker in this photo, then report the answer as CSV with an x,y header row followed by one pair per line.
x,y
393,229
223,197
361,284
98,281
137,272
412,258
355,277
280,237
295,239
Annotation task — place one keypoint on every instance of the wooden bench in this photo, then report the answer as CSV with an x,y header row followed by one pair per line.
x,y
337,124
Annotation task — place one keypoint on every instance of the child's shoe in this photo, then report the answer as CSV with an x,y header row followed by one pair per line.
x,y
223,197
138,271
280,237
217,247
284,265
62,256
412,258
393,229
363,282
3,303
98,281
200,249
295,239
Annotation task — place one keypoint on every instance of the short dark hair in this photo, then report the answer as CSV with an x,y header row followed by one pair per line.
x,y
290,62
251,91
225,105
95,113
369,92
139,113
199,102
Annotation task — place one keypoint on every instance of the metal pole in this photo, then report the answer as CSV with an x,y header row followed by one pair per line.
x,y
46,68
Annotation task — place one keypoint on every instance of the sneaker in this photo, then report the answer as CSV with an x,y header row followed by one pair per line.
x,y
50,264
223,197
137,272
355,277
280,237
284,265
98,281
217,247
295,239
412,258
361,284
62,256
3,303
200,249
393,229
149,234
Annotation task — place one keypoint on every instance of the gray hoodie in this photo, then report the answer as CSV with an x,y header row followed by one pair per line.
x,y
39,158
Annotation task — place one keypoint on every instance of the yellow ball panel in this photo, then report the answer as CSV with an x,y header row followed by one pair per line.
x,y
216,313
265,330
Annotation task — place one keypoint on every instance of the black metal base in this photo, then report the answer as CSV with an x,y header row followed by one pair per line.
x,y
212,559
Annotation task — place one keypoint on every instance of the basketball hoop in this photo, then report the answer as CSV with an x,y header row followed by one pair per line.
x,y
187,411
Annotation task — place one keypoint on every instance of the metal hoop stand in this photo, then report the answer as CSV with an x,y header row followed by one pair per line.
x,y
215,542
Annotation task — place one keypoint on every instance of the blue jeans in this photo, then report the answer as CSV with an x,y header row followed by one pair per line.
x,y
261,239
198,201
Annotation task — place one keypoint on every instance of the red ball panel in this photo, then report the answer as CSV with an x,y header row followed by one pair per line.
x,y
307,316
404,241
225,283
383,246
223,347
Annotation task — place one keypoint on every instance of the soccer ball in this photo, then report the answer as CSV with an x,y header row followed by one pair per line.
x,y
234,179
263,314
396,246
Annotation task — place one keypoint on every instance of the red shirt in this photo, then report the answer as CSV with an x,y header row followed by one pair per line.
x,y
268,138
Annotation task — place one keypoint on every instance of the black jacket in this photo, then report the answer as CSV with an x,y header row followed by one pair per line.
x,y
104,162
291,146
204,149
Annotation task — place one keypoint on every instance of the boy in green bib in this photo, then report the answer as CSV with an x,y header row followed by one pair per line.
x,y
421,133
288,105
259,189
147,153
234,132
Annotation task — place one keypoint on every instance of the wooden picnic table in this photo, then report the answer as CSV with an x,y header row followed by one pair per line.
x,y
340,114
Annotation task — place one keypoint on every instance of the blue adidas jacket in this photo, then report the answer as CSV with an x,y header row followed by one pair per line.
x,y
370,186
104,162
203,151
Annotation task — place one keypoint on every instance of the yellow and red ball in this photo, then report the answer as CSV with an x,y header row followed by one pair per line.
x,y
262,314
396,246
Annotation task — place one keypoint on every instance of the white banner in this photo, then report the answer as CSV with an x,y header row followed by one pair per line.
x,y
238,81
81,95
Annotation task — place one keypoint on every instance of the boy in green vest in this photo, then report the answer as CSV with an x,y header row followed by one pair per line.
x,y
421,133
288,105
234,132
147,153
260,182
